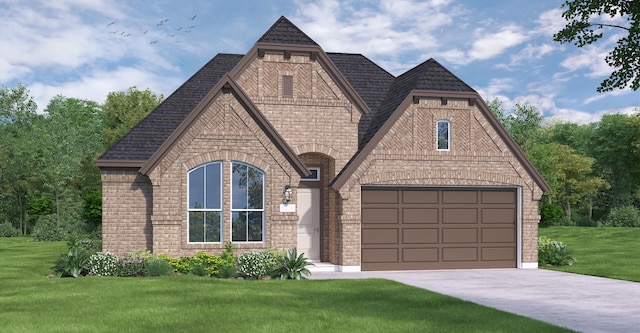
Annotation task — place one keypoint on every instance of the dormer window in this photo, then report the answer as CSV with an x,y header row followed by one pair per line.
x,y
443,129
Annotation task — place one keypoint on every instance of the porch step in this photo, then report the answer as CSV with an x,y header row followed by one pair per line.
x,y
323,267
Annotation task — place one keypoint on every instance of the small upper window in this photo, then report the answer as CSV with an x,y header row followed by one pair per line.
x,y
444,135
314,175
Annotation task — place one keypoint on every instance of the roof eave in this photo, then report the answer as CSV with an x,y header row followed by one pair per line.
x,y
102,163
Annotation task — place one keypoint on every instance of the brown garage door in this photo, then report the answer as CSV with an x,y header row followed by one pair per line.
x,y
438,228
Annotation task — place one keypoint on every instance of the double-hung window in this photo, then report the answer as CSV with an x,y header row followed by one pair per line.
x,y
247,203
205,203
443,129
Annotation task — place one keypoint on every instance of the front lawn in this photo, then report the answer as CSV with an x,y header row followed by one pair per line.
x,y
30,302
606,252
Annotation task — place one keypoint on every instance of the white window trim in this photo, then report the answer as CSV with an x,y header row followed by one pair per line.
x,y
448,122
221,210
232,210
317,179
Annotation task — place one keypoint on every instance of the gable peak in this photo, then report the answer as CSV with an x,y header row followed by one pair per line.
x,y
285,32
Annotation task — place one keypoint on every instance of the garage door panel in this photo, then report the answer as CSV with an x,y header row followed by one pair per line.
x,y
499,215
420,215
459,254
438,228
380,196
459,197
498,235
420,197
378,255
420,255
419,236
498,197
380,216
459,215
380,236
459,236
498,253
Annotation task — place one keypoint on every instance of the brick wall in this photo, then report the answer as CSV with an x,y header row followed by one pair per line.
x,y
407,155
126,211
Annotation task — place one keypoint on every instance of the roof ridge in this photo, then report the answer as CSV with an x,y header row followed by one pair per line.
x,y
285,32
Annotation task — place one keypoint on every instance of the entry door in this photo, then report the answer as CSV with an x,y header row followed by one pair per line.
x,y
309,223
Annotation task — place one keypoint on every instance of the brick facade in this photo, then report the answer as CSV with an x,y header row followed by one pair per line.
x,y
320,124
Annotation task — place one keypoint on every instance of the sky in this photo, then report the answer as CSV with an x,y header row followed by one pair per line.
x,y
501,48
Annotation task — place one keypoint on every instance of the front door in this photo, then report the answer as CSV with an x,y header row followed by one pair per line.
x,y
309,223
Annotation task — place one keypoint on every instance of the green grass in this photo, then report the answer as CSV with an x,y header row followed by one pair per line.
x,y
606,252
31,302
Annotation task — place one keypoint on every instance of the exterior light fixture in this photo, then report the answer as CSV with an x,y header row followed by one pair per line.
x,y
286,194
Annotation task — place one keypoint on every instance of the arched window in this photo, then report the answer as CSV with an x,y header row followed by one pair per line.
x,y
205,203
443,129
247,203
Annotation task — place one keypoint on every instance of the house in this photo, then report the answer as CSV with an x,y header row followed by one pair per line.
x,y
291,146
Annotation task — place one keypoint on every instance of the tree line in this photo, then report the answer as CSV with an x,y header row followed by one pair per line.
x,y
49,184
591,168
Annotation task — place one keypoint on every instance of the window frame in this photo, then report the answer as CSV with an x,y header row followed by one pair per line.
x,y
312,179
204,210
448,139
233,210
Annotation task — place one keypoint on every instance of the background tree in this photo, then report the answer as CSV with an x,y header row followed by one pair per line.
x,y
17,119
613,145
587,20
70,135
124,109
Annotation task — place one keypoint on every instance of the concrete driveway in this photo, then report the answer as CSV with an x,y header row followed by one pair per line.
x,y
578,302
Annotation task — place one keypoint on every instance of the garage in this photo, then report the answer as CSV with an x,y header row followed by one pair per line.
x,y
438,228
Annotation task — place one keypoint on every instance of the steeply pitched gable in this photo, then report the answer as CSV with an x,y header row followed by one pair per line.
x,y
429,75
285,32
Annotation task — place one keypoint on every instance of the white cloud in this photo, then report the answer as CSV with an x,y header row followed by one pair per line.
x,y
490,45
374,29
550,22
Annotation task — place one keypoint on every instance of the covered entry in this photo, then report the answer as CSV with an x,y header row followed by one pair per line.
x,y
438,228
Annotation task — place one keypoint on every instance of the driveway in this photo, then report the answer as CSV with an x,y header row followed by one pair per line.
x,y
578,302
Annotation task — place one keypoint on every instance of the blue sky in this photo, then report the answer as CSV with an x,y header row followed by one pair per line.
x,y
504,49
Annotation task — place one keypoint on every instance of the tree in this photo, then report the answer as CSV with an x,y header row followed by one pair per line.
x,y
586,23
17,119
123,110
70,134
613,145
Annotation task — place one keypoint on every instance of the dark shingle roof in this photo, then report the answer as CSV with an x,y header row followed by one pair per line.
x,y
368,79
146,137
429,75
285,32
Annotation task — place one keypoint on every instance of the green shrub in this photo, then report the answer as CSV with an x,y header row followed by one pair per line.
x,y
103,264
552,252
624,216
134,264
204,264
294,266
158,267
46,230
8,230
550,214
75,262
252,265
584,221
